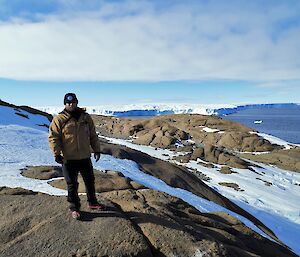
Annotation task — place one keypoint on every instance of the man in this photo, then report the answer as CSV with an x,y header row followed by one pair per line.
x,y
71,136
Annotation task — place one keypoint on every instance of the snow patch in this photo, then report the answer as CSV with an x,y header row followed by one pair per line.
x,y
210,130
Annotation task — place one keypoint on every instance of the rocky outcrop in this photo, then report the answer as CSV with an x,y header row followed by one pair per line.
x,y
213,154
226,170
136,223
104,181
285,159
163,131
42,172
180,177
212,138
41,226
173,175
175,229
16,191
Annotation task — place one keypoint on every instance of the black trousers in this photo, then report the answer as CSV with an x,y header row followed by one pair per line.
x,y
71,168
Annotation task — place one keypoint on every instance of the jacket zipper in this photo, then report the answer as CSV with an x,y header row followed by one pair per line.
x,y
77,136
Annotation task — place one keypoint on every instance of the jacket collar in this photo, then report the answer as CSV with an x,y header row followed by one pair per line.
x,y
76,115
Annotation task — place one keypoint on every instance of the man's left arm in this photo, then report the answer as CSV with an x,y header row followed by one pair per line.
x,y
94,140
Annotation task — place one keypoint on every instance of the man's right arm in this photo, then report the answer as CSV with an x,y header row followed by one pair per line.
x,y
54,137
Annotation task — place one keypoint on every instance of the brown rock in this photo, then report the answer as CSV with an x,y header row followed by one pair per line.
x,y
185,148
198,152
42,172
166,141
182,158
285,159
233,161
231,140
234,136
40,225
16,191
175,229
159,134
103,182
145,139
226,170
211,153
232,185
182,135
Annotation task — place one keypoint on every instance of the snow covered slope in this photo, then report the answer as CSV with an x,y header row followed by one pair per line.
x,y
16,116
161,109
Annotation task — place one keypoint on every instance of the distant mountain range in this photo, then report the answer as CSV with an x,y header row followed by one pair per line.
x,y
162,109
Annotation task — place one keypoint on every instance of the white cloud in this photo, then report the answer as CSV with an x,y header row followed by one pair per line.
x,y
137,41
288,85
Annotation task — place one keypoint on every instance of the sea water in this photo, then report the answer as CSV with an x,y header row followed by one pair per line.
x,y
280,122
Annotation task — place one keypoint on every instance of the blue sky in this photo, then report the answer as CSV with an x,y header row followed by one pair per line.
x,y
112,52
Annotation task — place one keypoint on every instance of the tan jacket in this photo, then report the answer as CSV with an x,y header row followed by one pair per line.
x,y
71,138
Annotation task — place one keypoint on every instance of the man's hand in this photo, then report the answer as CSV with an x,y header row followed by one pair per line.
x,y
97,156
59,159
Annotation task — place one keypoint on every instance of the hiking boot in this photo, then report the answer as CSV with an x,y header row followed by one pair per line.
x,y
75,215
96,206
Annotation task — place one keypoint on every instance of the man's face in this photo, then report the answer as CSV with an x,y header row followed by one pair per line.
x,y
71,106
